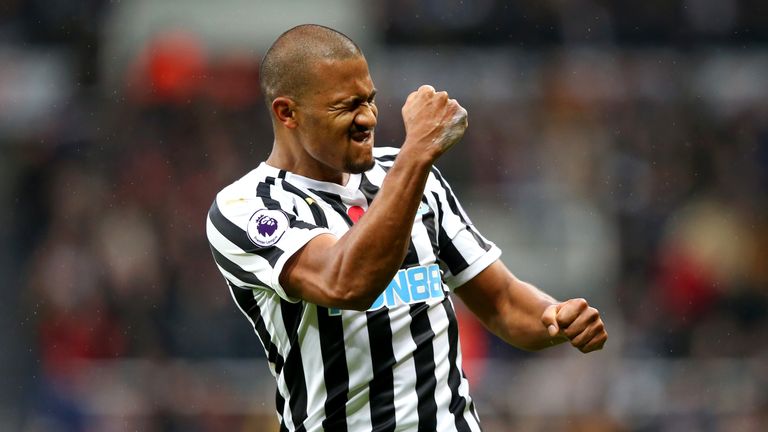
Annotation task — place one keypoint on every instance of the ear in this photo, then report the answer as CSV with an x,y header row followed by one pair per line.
x,y
284,110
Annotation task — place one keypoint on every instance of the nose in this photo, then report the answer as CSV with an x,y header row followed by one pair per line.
x,y
366,117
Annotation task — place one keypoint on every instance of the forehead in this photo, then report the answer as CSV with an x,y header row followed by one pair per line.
x,y
339,79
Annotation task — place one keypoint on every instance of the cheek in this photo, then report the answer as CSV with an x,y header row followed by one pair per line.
x,y
335,127
323,132
344,123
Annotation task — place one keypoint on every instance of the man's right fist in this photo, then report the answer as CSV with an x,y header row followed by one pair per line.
x,y
433,122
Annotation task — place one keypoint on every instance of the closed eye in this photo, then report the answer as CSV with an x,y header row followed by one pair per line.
x,y
354,102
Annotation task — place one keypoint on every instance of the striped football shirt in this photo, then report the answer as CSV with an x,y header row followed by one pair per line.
x,y
396,366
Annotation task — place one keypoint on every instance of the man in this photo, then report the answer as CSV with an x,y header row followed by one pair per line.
x,y
342,256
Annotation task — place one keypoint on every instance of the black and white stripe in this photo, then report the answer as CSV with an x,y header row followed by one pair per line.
x,y
394,367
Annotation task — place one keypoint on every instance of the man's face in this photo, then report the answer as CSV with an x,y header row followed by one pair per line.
x,y
337,115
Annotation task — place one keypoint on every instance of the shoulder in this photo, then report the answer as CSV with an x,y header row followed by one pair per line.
x,y
247,194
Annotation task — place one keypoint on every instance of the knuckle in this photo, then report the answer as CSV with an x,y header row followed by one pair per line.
x,y
593,314
589,347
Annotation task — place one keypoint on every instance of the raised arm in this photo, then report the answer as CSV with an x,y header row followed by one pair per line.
x,y
351,271
528,318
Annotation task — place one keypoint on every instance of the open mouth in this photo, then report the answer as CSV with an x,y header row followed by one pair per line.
x,y
361,136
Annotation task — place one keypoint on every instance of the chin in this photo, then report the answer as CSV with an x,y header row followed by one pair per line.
x,y
359,167
363,162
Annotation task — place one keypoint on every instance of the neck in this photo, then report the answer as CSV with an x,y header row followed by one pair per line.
x,y
304,165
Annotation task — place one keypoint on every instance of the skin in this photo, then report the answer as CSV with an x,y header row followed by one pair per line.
x,y
329,133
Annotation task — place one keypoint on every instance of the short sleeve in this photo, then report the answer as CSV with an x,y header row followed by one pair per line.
x,y
464,252
251,243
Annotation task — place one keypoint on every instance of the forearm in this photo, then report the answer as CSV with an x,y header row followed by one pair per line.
x,y
520,323
510,308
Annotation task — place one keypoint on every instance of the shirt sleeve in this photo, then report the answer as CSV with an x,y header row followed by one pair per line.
x,y
251,242
464,252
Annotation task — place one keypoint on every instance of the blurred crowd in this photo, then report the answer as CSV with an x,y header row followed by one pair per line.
x,y
105,199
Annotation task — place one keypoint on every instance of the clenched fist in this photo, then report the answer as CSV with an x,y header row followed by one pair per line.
x,y
433,122
578,322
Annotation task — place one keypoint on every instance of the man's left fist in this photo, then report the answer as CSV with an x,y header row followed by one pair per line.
x,y
578,322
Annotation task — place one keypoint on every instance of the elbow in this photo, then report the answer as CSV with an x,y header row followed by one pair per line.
x,y
354,290
349,297
360,305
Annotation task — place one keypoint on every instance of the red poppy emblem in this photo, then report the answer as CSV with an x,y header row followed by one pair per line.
x,y
355,212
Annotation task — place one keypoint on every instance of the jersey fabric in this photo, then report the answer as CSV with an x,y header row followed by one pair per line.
x,y
394,367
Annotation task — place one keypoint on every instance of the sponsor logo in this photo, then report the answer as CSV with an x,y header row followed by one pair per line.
x,y
413,285
266,227
423,209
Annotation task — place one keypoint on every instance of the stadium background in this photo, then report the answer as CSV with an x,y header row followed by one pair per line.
x,y
615,151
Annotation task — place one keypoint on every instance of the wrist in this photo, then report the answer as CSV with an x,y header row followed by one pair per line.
x,y
415,155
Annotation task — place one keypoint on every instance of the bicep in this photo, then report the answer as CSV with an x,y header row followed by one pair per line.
x,y
304,273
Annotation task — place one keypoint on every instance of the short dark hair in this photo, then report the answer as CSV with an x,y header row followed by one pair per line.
x,y
286,68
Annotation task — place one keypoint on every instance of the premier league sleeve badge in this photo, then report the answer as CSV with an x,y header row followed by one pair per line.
x,y
266,227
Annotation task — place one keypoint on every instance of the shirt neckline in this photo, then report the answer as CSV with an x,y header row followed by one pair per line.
x,y
348,190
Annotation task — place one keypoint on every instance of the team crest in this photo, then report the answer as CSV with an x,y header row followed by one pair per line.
x,y
267,226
